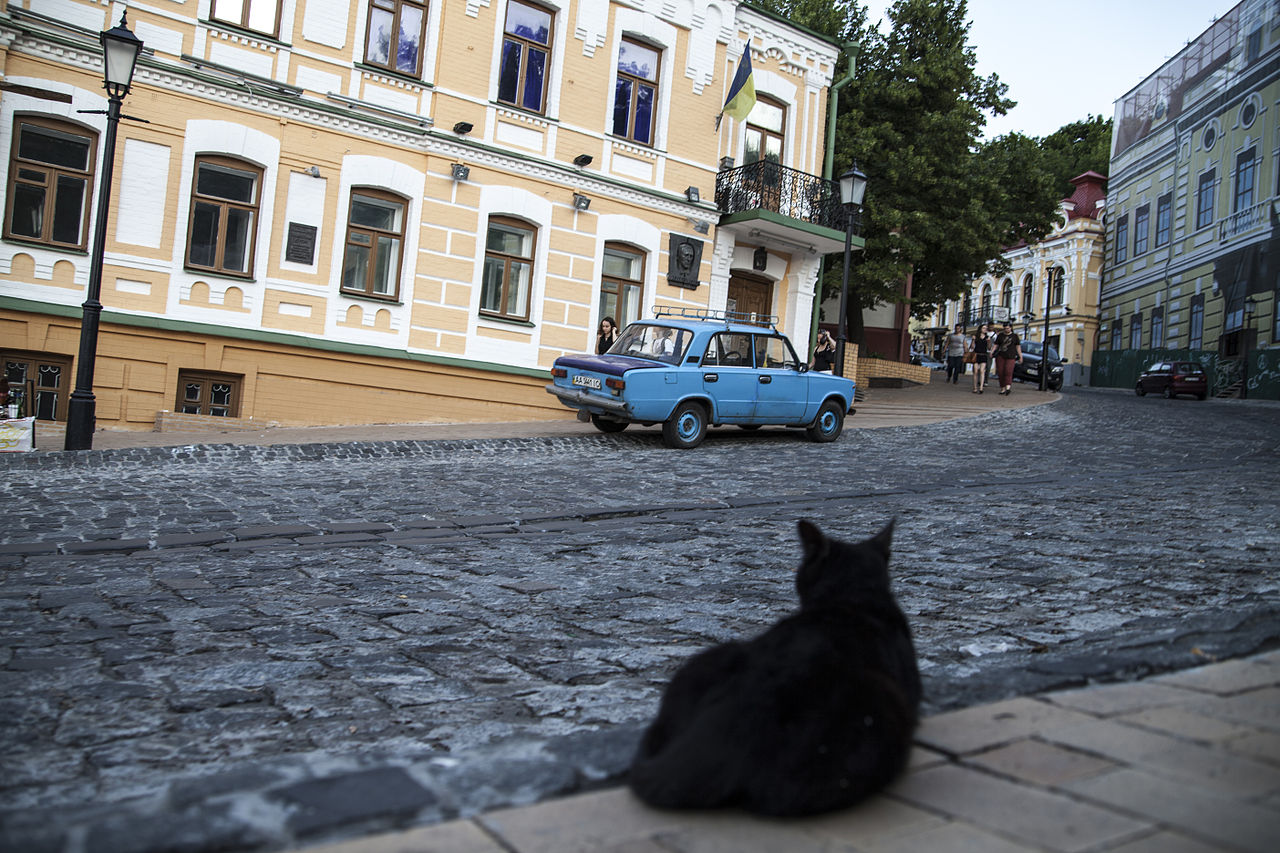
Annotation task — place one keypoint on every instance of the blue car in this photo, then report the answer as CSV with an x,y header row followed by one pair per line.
x,y
688,370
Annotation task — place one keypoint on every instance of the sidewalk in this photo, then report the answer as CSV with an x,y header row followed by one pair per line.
x,y
1183,762
883,407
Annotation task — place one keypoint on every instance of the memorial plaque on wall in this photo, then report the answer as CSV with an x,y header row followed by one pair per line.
x,y
300,246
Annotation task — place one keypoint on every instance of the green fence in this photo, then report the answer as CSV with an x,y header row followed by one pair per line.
x,y
1120,369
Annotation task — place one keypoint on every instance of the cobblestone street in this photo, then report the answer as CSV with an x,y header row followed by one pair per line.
x,y
215,648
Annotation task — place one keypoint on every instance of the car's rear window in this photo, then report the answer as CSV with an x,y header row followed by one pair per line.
x,y
1188,367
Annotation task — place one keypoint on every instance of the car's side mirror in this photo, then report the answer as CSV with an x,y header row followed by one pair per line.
x,y
802,368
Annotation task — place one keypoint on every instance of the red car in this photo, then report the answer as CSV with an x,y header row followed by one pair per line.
x,y
1172,378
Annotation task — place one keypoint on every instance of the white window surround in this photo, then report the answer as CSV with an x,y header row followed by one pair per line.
x,y
630,231
535,210
660,35
559,29
228,139
408,184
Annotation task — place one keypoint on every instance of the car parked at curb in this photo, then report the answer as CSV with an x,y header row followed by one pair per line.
x,y
1172,378
691,369
1028,370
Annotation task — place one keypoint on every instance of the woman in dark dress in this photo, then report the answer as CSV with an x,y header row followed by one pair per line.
x,y
980,346
824,354
606,335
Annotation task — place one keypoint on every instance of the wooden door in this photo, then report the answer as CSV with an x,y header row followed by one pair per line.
x,y
750,296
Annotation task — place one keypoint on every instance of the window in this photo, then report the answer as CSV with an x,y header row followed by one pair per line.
x,y
773,352
1209,137
1204,199
1006,295
41,382
261,16
1253,45
635,94
1057,285
375,237
1122,239
1246,174
986,301
1157,328
1135,331
508,269
50,180
764,132
729,350
397,29
1196,340
1141,221
212,394
1026,294
621,284
224,216
1117,333
1164,219
526,49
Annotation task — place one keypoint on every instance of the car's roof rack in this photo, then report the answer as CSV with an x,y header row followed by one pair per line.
x,y
748,318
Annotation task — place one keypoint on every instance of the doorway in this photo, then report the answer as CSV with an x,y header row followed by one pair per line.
x,y
750,296
43,382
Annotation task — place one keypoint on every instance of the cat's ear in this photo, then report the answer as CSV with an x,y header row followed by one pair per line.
x,y
884,538
814,542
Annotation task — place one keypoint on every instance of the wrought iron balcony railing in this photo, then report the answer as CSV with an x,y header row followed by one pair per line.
x,y
765,185
1243,221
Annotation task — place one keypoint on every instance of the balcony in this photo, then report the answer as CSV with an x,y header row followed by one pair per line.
x,y
768,203
1244,221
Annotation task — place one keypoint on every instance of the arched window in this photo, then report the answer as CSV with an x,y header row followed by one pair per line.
x,y
622,283
986,300
1027,294
222,233
1057,285
375,239
1006,294
508,269
50,182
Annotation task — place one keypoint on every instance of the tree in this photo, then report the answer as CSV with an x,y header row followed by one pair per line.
x,y
1076,148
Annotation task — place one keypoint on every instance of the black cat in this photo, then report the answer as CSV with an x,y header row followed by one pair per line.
x,y
815,714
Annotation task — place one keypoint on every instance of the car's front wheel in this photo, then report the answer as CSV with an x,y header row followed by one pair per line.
x,y
687,426
828,424
1139,390
606,425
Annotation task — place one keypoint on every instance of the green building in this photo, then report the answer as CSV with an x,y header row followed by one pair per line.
x,y
1193,253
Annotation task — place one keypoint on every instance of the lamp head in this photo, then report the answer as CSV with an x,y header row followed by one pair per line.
x,y
853,186
120,49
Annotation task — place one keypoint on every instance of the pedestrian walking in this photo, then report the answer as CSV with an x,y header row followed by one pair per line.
x,y
1008,353
980,346
824,354
954,346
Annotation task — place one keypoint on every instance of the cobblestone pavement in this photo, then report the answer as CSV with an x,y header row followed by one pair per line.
x,y
213,648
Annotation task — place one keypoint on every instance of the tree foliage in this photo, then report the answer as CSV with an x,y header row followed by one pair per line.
x,y
1076,148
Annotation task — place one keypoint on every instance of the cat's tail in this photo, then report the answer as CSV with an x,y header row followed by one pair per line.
x,y
685,775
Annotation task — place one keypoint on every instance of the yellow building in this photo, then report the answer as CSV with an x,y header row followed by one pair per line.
x,y
1059,276
395,210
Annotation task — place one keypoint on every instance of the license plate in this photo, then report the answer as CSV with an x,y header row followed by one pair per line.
x,y
587,382
1033,371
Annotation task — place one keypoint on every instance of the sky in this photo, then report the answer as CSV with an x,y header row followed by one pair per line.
x,y
1064,61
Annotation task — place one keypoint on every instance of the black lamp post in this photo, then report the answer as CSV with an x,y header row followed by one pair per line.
x,y
1044,346
120,49
853,186
1249,307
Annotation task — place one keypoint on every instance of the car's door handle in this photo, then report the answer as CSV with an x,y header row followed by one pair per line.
x,y
711,377
765,380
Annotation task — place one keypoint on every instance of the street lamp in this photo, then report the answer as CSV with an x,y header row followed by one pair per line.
x,y
853,186
120,49
1249,307
1027,317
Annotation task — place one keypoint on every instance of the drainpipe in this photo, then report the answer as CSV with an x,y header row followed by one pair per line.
x,y
828,166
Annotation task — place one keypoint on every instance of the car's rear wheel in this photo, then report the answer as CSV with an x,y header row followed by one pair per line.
x,y
606,425
687,426
1139,390
828,424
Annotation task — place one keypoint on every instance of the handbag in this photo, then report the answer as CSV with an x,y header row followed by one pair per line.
x,y
970,357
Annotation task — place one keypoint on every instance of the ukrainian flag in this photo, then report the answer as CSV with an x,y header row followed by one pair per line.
x,y
742,92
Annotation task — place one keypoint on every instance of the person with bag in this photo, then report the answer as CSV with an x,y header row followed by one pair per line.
x,y
954,345
980,353
1008,353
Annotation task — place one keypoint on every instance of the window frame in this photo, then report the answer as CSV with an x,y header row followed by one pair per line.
x,y
1157,328
1028,294
372,261
1195,323
1246,169
619,284
1206,196
527,45
186,377
1122,239
225,205
390,65
1135,330
53,174
636,83
1141,230
1057,287
1006,295
765,133
246,7
1164,220
1117,336
34,366
507,259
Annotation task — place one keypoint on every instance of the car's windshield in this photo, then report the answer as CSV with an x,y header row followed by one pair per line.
x,y
660,343
1033,348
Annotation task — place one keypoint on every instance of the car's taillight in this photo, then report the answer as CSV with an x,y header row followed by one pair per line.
x,y
615,383
559,373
